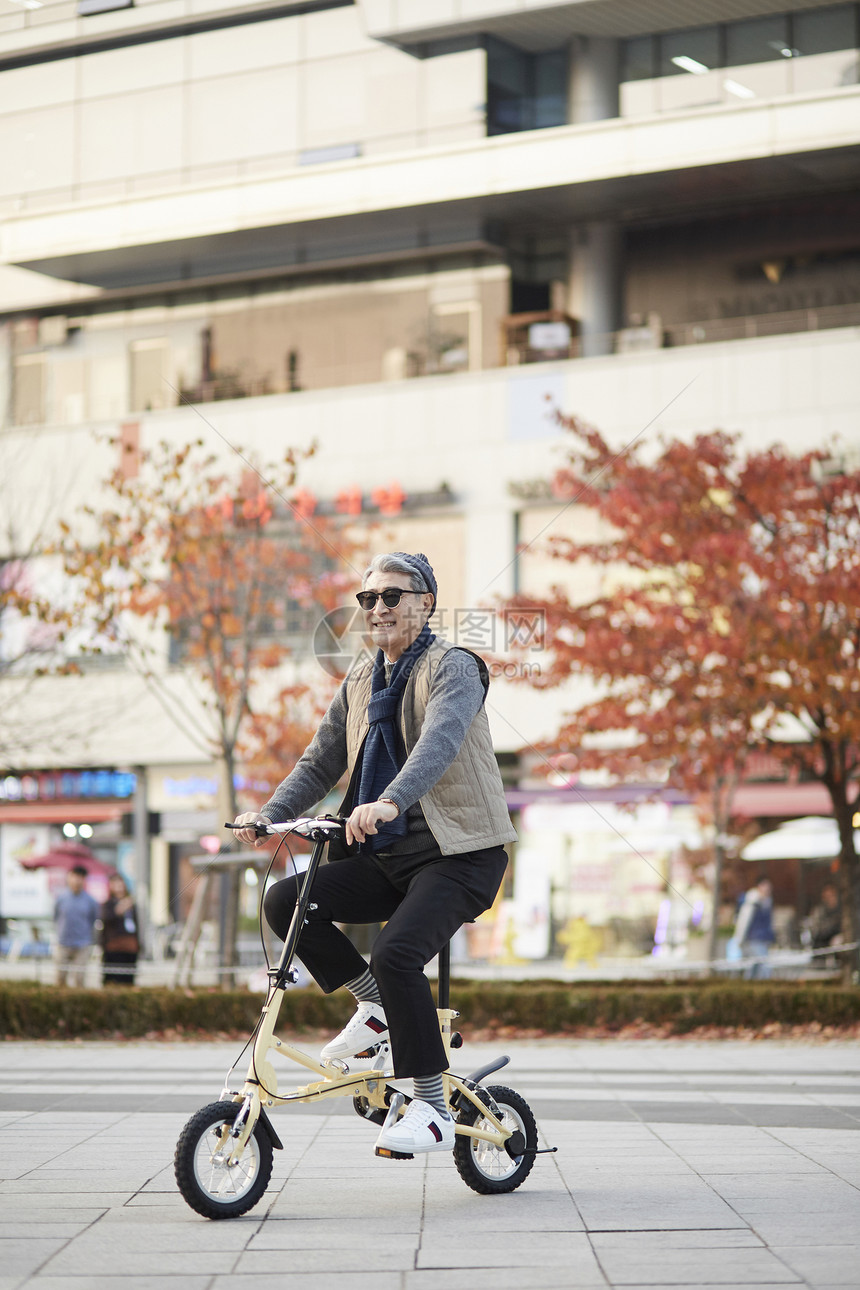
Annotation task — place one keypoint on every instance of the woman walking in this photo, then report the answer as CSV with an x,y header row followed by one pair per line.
x,y
119,938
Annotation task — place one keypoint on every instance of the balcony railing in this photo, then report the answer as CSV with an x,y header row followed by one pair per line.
x,y
547,337
818,318
524,339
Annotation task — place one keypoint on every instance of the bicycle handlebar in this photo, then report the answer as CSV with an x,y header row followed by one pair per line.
x,y
304,825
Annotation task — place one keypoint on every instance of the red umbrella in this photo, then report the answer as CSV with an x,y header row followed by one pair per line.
x,y
66,855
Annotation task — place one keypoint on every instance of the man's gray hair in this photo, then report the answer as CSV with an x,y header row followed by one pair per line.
x,y
388,563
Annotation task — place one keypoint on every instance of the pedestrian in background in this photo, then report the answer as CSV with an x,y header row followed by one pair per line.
x,y
120,939
824,924
75,914
754,929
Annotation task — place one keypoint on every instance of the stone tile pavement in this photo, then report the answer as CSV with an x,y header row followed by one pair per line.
x,y
724,1165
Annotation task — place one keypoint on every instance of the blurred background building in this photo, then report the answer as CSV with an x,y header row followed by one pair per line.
x,y
405,230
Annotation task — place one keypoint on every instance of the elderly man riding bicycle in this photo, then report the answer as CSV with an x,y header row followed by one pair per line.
x,y
427,821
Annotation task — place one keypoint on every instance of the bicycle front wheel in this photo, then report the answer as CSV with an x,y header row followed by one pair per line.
x,y
485,1167
207,1182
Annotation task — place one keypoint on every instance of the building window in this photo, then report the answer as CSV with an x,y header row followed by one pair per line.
x,y
688,63
758,58
507,88
550,88
690,52
524,91
758,40
826,44
825,31
638,59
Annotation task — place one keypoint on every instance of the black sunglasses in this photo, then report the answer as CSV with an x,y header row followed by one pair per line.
x,y
390,597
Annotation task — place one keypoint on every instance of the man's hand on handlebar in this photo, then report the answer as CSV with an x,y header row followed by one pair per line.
x,y
361,824
250,835
364,819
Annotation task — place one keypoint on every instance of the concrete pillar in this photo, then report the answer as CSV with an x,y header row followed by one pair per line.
x,y
595,270
595,284
593,77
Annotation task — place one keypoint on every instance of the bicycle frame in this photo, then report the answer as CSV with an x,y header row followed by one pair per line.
x,y
260,1088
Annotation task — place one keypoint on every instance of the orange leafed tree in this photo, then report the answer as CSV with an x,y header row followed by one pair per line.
x,y
221,561
728,620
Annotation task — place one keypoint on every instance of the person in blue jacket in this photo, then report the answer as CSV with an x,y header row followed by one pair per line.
x,y
75,915
754,929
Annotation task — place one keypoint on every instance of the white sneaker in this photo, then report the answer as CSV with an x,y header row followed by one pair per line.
x,y
366,1029
421,1128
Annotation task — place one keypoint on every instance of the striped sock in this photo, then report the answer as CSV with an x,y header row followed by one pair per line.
x,y
365,989
429,1088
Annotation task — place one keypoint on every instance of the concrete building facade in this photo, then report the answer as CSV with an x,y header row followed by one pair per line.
x,y
404,230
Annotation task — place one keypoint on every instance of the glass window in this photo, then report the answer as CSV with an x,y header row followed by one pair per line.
x,y
525,91
690,52
824,30
550,88
508,84
638,59
760,40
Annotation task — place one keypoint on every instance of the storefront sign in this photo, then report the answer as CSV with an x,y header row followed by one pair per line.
x,y
67,785
386,499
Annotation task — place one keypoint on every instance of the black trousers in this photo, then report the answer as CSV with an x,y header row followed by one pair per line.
x,y
113,959
422,907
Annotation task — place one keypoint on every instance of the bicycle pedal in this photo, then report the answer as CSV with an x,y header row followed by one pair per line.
x,y
374,1051
388,1154
377,1055
336,1065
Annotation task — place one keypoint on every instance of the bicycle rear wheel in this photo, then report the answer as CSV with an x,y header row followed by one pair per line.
x,y
208,1184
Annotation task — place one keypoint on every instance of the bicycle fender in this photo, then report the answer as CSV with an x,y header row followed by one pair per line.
x,y
270,1129
489,1069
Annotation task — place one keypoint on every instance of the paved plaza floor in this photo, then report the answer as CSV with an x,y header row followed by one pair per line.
x,y
680,1164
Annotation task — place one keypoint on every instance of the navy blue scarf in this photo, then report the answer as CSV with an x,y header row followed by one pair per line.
x,y
383,753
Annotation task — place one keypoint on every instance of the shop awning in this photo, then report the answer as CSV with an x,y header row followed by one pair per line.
x,y
814,837
62,812
781,799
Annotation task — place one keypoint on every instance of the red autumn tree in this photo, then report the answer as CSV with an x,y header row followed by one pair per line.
x,y
274,738
729,620
222,562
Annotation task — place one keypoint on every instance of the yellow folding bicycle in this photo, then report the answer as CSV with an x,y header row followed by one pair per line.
x,y
224,1155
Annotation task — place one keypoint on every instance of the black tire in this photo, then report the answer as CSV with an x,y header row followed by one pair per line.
x,y
484,1167
207,1186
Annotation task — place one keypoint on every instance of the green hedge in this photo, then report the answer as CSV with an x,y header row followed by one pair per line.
x,y
31,1011
681,1007
34,1011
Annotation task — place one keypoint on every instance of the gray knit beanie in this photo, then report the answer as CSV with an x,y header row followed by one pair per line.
x,y
422,567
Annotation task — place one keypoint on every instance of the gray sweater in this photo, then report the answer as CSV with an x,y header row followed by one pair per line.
x,y
455,699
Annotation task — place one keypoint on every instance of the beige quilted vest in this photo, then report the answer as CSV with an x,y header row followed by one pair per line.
x,y
465,809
